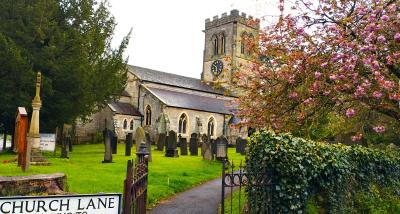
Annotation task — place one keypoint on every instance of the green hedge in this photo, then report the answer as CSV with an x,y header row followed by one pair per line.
x,y
300,169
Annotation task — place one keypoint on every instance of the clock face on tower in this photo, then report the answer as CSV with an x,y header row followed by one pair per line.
x,y
216,67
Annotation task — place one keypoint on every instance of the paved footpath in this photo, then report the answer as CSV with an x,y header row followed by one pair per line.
x,y
203,199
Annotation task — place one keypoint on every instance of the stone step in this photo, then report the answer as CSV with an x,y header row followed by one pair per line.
x,y
40,163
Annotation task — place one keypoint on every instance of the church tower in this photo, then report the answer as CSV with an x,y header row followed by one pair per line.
x,y
230,45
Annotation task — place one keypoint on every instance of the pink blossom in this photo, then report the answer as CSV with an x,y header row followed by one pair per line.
x,y
381,39
324,64
388,85
326,93
293,95
308,100
375,65
350,112
360,91
300,31
397,37
317,74
367,61
389,60
377,94
379,129
357,137
385,18
366,84
332,77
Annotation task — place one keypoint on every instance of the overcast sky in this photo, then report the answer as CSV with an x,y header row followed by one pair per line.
x,y
167,34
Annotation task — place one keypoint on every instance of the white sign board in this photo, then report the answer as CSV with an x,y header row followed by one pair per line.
x,y
47,142
63,204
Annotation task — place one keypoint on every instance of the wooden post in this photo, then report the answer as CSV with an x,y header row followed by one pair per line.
x,y
21,129
128,188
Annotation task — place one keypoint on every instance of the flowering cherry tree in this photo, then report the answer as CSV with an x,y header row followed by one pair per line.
x,y
330,58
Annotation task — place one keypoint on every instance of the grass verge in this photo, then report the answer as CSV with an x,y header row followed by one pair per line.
x,y
86,173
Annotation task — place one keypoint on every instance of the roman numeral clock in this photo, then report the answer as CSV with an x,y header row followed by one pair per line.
x,y
216,68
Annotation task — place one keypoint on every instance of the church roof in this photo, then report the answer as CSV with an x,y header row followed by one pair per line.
x,y
164,78
181,99
124,108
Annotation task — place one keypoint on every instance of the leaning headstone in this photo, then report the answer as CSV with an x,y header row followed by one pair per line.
x,y
161,141
107,145
128,144
114,144
171,150
183,145
148,145
139,137
194,144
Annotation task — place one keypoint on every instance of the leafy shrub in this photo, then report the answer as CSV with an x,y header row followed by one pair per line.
x,y
300,169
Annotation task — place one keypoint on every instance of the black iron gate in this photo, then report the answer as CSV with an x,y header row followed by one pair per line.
x,y
135,184
235,179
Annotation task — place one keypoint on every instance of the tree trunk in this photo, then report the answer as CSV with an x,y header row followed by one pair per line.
x,y
4,140
12,139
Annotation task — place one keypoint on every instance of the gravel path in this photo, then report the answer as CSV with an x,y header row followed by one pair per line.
x,y
203,199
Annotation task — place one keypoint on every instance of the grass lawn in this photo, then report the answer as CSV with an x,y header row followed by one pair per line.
x,y
86,174
232,201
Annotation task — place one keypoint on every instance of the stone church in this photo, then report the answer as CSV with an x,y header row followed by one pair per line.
x,y
189,105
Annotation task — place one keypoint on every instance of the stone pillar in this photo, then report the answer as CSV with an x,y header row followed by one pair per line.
x,y
33,135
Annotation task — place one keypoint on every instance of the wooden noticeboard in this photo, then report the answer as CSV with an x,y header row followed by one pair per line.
x,y
20,138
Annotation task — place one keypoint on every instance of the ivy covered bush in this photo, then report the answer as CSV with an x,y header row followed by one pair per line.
x,y
286,171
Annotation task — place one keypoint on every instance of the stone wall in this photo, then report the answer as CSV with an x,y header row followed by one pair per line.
x,y
44,184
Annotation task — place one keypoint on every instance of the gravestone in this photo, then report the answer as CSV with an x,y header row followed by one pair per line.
x,y
171,150
161,141
114,144
241,145
237,145
222,144
107,134
194,148
204,140
139,137
213,147
183,145
128,144
148,145
206,148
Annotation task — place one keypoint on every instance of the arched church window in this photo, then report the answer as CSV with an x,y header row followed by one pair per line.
x,y
148,116
182,123
211,127
250,43
222,44
243,42
125,124
131,125
215,43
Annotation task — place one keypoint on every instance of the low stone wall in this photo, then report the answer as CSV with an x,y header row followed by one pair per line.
x,y
43,184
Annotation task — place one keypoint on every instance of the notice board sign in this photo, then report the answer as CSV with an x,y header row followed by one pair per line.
x,y
63,204
47,142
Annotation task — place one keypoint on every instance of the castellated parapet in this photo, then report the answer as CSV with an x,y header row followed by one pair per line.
x,y
233,17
